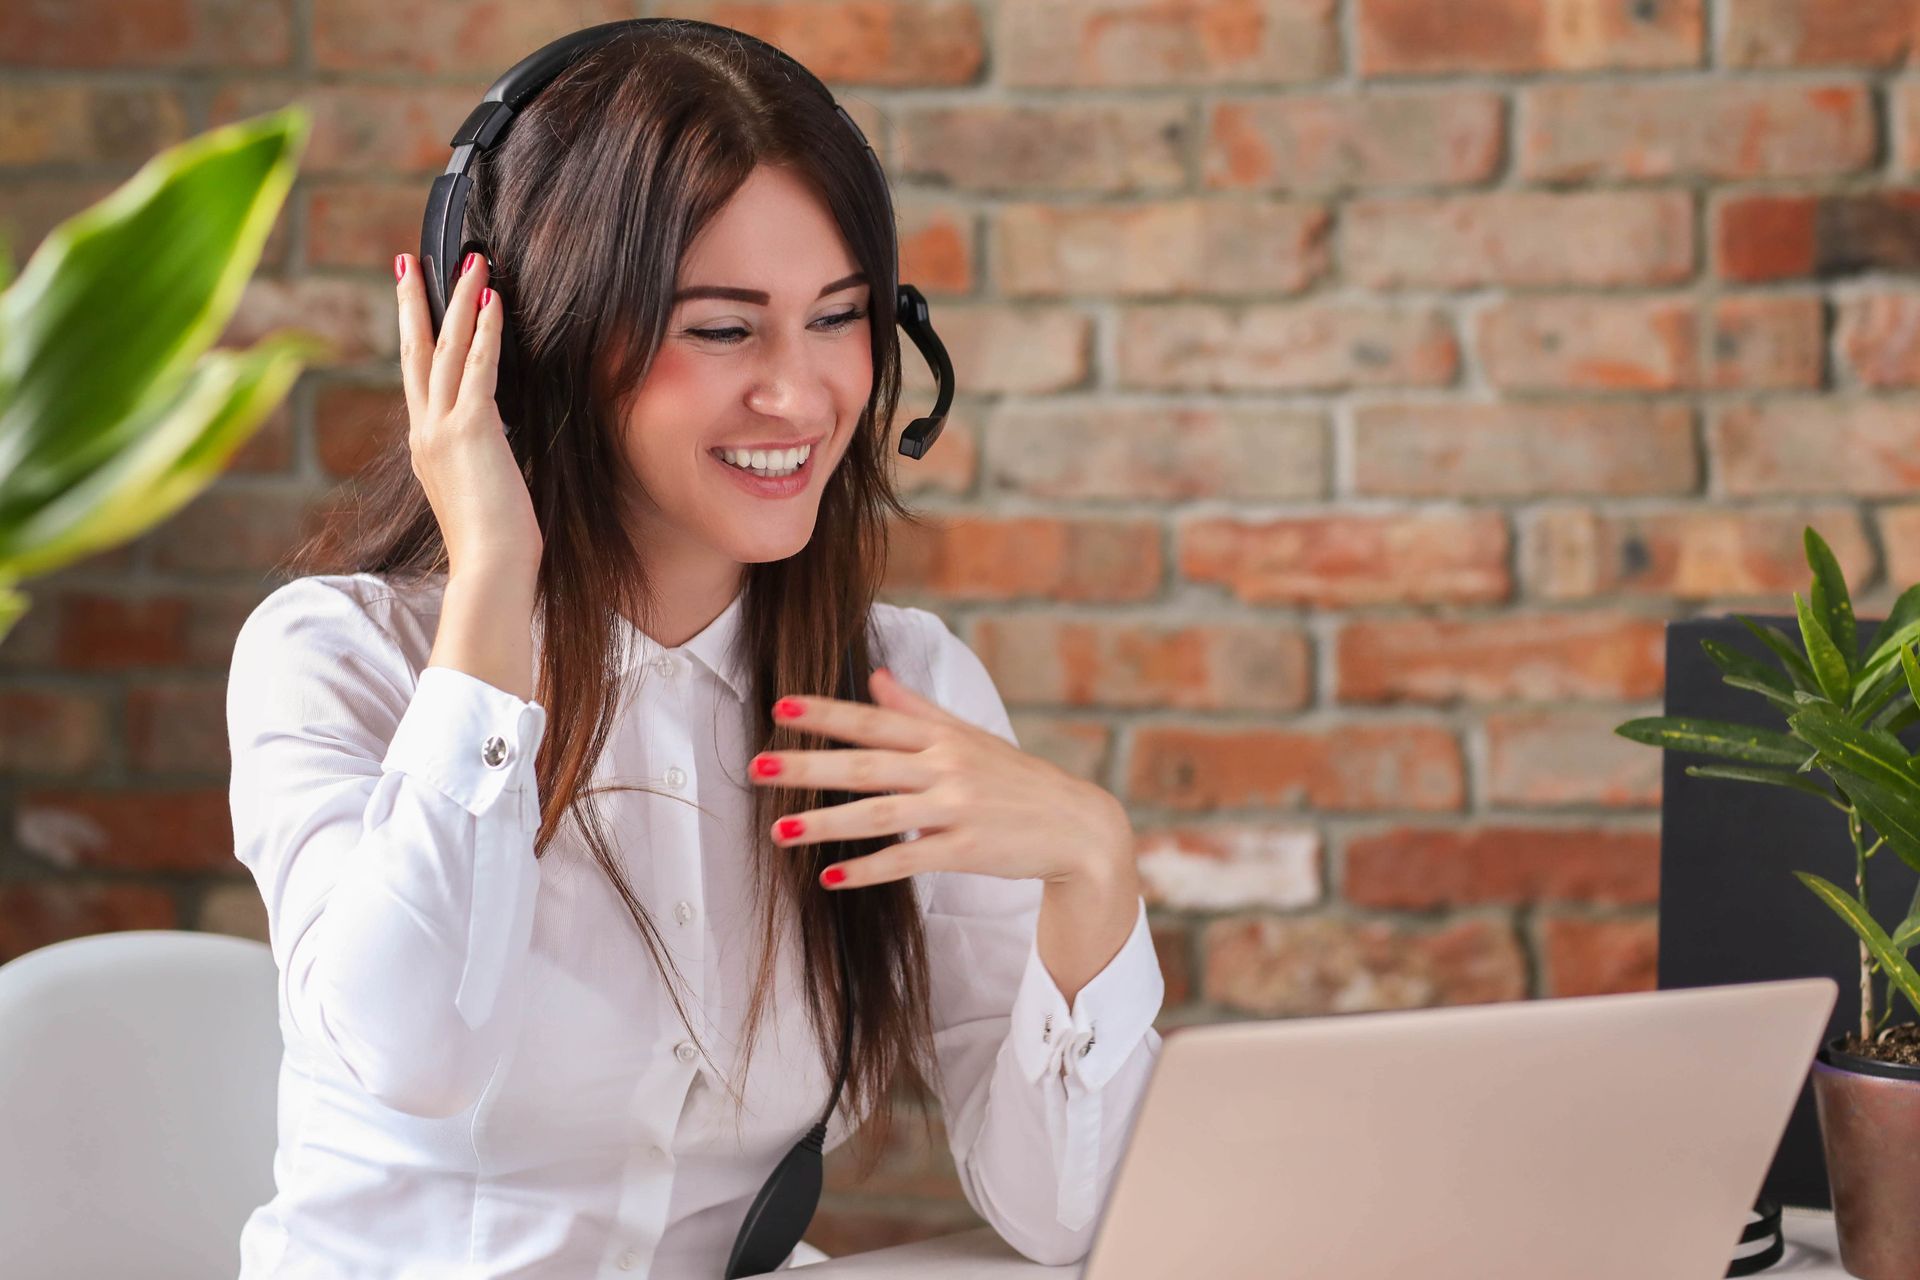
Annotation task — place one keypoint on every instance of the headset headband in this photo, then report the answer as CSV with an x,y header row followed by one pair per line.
x,y
442,246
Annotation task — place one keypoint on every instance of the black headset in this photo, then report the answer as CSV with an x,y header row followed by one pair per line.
x,y
781,1211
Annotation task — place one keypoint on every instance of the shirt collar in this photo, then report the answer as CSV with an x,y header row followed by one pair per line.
x,y
715,647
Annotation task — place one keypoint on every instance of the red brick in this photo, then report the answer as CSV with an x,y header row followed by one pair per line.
x,y
1172,947
179,829
1547,758
1289,346
909,44
178,726
361,225
51,731
1878,335
439,40
1900,536
1090,147
1862,448
1307,966
354,422
356,318
1006,558
31,206
269,450
1081,747
1904,113
1168,248
1583,957
55,122
1001,349
1420,868
1406,765
1347,559
1590,344
1572,553
229,529
1108,44
1079,449
936,246
1521,448
99,632
1519,238
1818,33
235,910
1052,659
1767,342
1332,141
1779,237
1695,128
1398,37
214,619
951,468
1534,657
38,913
174,34
1230,866
916,1160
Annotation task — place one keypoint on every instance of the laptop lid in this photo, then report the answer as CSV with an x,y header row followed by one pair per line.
x,y
1584,1138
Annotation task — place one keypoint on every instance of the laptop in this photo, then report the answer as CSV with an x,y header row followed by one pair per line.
x,y
1578,1138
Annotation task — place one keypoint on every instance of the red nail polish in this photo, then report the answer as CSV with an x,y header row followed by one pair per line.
x,y
486,296
466,263
786,709
788,828
832,875
399,267
766,766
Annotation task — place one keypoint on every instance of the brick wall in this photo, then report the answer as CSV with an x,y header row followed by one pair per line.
x,y
1350,391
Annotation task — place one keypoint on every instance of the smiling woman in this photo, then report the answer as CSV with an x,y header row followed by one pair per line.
x,y
671,375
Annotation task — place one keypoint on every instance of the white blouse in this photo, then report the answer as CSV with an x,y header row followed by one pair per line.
x,y
484,1073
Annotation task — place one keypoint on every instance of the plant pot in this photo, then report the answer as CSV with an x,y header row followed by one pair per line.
x,y
1870,1126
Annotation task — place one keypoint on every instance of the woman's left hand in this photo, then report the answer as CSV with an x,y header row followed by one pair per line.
x,y
980,803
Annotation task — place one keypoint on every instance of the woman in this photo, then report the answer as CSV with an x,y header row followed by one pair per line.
x,y
518,1020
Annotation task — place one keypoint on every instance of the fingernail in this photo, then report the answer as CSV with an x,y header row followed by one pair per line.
x,y
788,828
786,709
883,671
466,263
399,267
486,296
766,766
832,875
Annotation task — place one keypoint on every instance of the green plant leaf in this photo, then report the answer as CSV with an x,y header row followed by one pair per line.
x,y
1898,718
1910,667
1790,658
1830,668
1907,934
1887,657
166,464
1871,697
1744,671
1832,603
1900,974
1905,613
105,322
1716,738
13,604
1871,767
1773,777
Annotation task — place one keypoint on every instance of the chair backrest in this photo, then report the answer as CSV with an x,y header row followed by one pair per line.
x,y
138,1078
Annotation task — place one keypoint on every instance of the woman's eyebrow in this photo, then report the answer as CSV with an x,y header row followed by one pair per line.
x,y
758,297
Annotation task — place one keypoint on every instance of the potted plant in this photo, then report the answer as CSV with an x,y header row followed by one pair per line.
x,y
1843,704
113,414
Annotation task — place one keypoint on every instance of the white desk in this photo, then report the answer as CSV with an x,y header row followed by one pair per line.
x,y
1812,1252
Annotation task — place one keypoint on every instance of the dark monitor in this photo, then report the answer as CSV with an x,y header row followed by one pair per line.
x,y
1730,907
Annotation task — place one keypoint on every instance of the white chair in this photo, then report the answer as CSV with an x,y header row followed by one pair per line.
x,y
138,1075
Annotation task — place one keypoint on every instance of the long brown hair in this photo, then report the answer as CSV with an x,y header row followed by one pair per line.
x,y
586,210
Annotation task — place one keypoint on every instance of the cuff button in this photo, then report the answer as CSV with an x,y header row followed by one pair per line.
x,y
494,752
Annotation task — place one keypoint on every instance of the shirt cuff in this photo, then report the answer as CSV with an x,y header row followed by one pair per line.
x,y
475,742
468,738
1109,1016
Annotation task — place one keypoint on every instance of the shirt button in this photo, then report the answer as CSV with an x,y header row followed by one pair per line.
x,y
676,777
629,1260
685,1051
683,911
663,664
494,751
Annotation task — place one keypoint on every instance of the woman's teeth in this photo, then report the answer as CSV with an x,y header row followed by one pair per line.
x,y
780,462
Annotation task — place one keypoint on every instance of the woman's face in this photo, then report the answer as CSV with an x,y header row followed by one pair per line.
x,y
767,349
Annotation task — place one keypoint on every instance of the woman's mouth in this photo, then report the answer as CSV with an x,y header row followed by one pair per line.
x,y
780,473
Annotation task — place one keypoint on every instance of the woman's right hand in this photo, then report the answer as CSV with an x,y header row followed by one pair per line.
x,y
458,441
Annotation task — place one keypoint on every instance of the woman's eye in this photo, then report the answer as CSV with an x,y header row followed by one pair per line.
x,y
727,337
